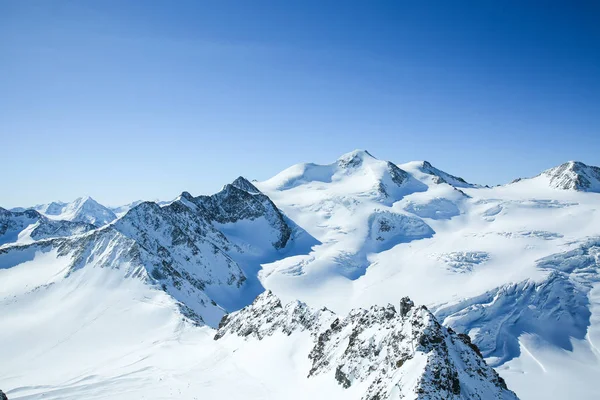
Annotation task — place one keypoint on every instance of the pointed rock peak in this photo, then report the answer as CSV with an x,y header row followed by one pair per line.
x,y
406,304
143,207
186,196
354,158
444,177
244,184
574,175
267,297
427,165
84,199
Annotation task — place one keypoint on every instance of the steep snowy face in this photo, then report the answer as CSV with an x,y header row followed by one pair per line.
x,y
243,184
82,209
86,209
377,353
186,254
171,249
29,225
574,175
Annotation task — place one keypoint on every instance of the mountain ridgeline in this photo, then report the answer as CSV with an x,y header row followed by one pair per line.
x,y
509,275
181,246
389,354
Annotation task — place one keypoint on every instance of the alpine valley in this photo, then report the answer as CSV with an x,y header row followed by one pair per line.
x,y
360,279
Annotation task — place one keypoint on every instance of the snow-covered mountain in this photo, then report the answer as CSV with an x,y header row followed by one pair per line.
x,y
441,176
29,225
204,251
514,267
378,353
122,210
82,209
572,175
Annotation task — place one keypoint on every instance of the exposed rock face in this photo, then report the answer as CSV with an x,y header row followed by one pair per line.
x,y
399,176
395,178
353,159
3,396
243,184
243,201
574,175
377,347
180,247
444,177
387,229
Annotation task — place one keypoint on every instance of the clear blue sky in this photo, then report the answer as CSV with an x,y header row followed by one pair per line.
x,y
123,100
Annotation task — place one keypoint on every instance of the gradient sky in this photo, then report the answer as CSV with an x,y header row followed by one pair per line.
x,y
126,100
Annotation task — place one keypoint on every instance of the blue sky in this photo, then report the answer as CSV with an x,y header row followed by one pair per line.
x,y
144,99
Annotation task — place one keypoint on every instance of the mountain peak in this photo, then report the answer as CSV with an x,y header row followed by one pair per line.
x,y
574,175
244,184
354,158
443,177
186,195
84,199
372,348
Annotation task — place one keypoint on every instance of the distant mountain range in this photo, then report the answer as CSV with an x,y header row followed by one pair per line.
x,y
299,286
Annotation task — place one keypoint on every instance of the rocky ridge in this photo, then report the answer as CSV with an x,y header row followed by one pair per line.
x,y
375,348
574,175
179,246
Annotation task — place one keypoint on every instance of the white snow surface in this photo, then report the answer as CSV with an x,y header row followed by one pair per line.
x,y
82,209
514,266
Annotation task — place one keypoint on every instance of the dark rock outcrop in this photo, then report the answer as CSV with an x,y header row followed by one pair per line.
x,y
375,346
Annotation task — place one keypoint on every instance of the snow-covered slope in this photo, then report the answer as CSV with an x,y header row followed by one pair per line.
x,y
82,209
